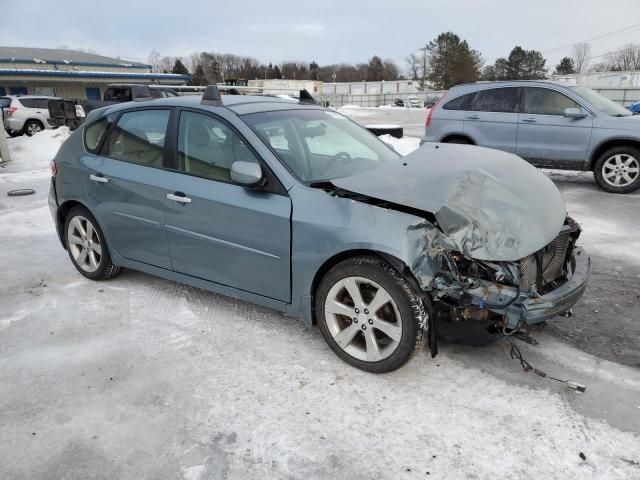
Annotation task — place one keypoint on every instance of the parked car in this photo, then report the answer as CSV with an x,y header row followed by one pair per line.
x,y
414,102
398,102
295,207
548,124
26,114
634,108
120,93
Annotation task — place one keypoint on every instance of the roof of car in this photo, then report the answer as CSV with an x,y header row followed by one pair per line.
x,y
240,104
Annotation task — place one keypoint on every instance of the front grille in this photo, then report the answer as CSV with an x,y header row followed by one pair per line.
x,y
548,264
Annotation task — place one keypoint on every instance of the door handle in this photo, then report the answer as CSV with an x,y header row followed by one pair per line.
x,y
529,120
98,178
473,117
178,197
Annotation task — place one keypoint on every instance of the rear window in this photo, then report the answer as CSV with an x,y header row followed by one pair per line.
x,y
5,102
501,100
94,133
117,94
461,103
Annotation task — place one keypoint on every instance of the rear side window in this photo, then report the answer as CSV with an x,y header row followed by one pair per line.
x,y
461,103
502,100
208,147
544,101
139,136
41,103
94,133
27,102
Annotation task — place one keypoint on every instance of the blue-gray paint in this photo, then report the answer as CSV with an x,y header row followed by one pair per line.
x,y
264,247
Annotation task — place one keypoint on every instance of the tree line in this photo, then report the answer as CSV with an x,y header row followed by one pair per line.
x,y
445,61
210,67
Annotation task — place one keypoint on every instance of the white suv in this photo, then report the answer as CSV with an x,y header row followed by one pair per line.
x,y
27,114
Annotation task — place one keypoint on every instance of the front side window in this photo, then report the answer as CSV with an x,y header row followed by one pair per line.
x,y
544,101
501,100
319,145
139,136
207,147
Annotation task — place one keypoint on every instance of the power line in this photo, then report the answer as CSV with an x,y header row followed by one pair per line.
x,y
612,34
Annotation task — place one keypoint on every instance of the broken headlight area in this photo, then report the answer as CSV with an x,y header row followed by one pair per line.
x,y
505,297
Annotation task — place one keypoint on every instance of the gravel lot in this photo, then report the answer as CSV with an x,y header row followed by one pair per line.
x,y
139,377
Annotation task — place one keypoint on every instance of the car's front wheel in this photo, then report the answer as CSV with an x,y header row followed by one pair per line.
x,y
369,314
618,170
86,246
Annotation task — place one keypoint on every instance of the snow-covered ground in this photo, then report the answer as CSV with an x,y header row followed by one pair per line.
x,y
139,377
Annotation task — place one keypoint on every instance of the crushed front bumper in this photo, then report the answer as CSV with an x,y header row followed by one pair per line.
x,y
517,307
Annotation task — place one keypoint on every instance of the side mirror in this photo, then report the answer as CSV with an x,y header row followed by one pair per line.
x,y
574,113
246,173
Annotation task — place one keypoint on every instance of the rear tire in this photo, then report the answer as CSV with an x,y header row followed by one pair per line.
x,y
87,247
32,127
618,170
378,341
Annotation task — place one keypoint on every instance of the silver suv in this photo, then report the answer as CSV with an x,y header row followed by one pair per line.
x,y
27,114
548,124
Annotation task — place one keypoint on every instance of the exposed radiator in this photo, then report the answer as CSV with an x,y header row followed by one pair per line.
x,y
552,259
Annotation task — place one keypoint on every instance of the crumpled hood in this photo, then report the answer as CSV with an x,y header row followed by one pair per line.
x,y
491,205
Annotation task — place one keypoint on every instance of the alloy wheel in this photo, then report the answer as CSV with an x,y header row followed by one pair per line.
x,y
363,319
84,244
33,128
620,170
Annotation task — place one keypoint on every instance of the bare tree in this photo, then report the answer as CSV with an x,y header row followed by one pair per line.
x,y
627,58
413,66
154,61
580,56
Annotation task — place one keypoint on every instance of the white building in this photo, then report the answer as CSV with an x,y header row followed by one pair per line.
x,y
628,79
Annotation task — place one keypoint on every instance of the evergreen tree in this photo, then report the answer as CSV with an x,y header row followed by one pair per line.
x,y
179,68
198,77
375,69
452,61
566,66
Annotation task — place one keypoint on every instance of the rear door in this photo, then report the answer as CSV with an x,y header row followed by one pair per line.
x,y
218,230
545,136
492,120
126,184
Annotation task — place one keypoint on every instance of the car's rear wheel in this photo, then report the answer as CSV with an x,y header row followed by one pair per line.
x,y
369,314
618,170
86,246
32,127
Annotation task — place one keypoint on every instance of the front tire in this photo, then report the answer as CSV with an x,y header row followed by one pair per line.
x,y
86,245
618,170
369,314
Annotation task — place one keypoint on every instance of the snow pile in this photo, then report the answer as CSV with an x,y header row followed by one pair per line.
x,y
36,152
404,145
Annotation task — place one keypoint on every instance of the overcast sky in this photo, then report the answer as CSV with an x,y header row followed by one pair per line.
x,y
325,31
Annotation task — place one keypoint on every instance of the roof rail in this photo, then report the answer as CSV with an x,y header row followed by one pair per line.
x,y
211,97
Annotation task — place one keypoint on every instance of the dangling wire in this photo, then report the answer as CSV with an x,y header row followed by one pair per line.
x,y
516,354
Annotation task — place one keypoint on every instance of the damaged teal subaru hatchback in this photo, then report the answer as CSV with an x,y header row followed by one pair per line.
x,y
295,207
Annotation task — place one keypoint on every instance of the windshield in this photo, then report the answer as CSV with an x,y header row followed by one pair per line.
x,y
601,102
319,145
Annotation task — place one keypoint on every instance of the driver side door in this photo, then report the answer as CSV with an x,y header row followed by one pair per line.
x,y
218,230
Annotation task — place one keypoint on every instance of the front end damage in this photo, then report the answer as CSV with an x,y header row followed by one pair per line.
x,y
507,296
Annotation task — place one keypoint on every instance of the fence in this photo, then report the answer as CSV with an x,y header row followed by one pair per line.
x,y
376,99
